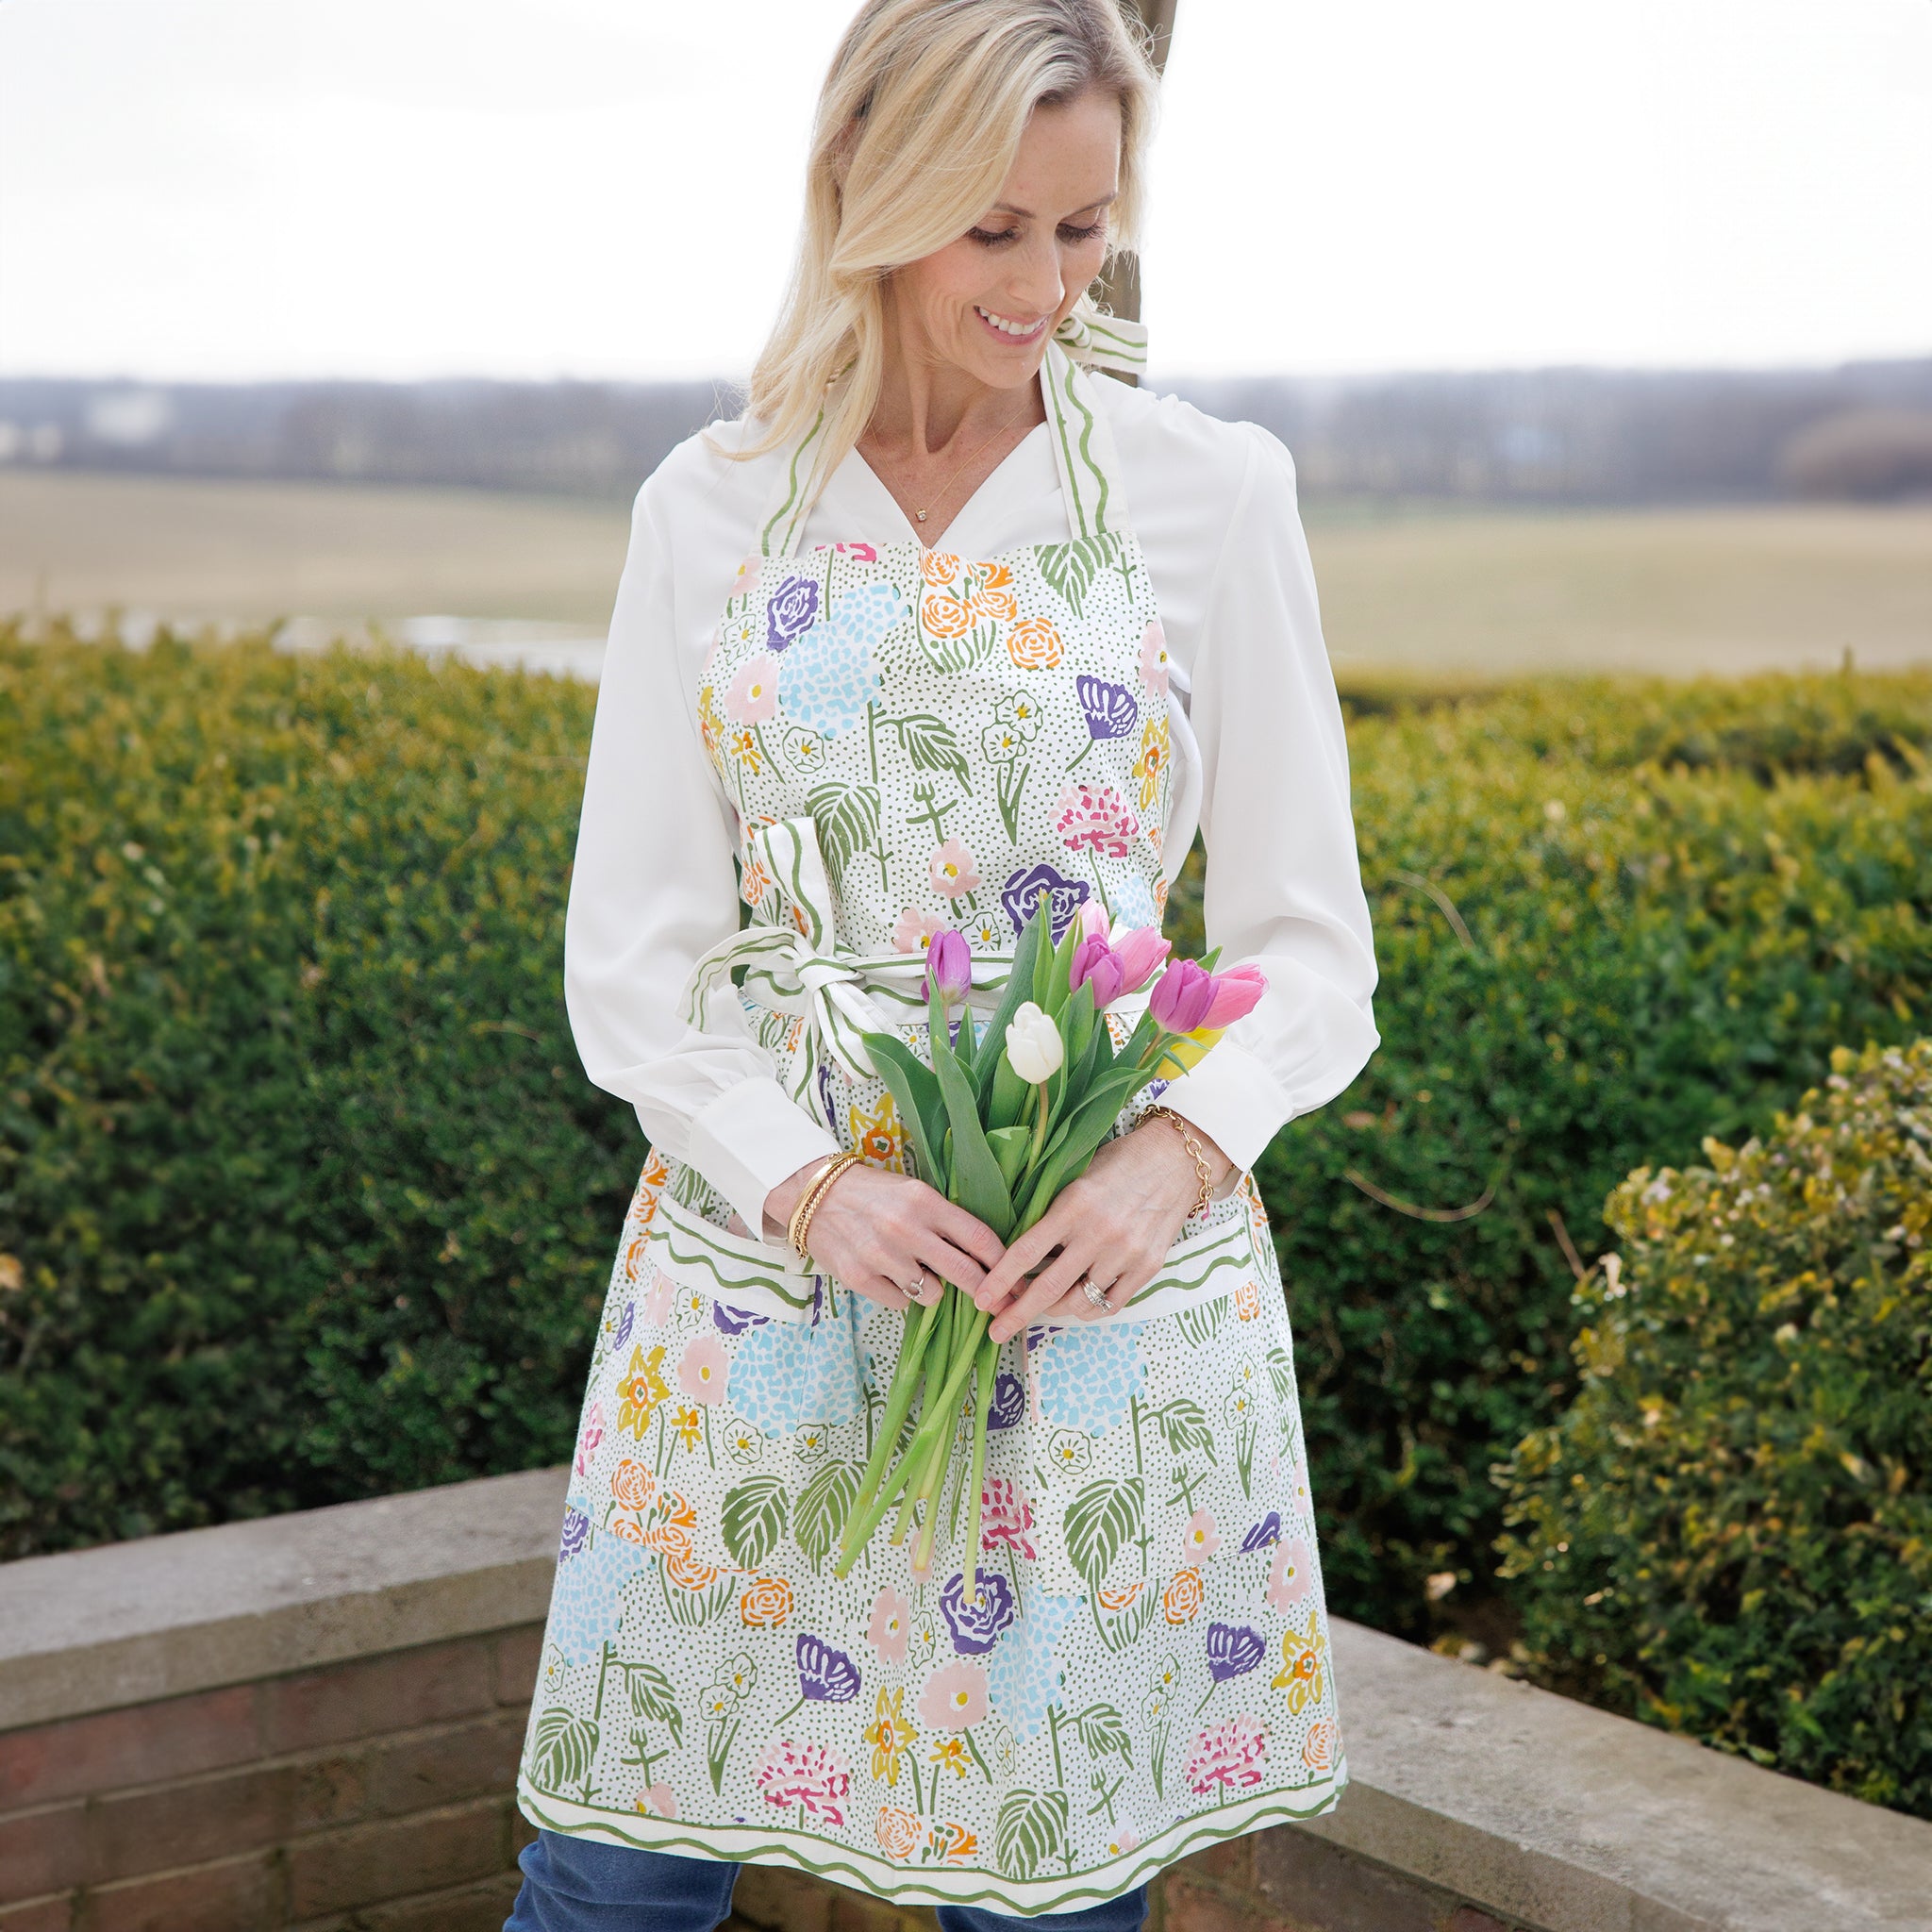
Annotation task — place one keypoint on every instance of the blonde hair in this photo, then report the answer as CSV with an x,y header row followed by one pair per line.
x,y
919,123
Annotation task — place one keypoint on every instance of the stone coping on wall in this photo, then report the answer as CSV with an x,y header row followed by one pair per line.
x,y
1543,1811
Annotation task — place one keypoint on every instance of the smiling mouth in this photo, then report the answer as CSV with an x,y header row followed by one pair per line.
x,y
1009,328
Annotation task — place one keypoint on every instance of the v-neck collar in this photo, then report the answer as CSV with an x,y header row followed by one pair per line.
x,y
872,485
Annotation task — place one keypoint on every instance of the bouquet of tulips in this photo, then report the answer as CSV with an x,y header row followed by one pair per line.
x,y
1003,1119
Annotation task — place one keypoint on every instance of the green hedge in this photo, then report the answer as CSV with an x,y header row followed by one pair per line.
x,y
313,1201
1730,1531
304,1189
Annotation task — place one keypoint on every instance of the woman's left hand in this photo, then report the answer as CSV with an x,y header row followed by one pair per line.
x,y
1112,1226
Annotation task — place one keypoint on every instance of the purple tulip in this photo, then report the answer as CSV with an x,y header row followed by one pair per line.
x,y
1142,955
1233,1651
1237,992
1181,997
948,968
792,612
825,1675
1096,964
976,1626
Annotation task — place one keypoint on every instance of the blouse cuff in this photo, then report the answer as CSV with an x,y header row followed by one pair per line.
x,y
1233,1098
751,1138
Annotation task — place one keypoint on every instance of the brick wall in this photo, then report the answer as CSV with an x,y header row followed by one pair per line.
x,y
374,1796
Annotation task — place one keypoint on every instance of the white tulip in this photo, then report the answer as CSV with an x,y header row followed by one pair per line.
x,y
1034,1045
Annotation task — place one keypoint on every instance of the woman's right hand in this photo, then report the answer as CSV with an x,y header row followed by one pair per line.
x,y
883,1235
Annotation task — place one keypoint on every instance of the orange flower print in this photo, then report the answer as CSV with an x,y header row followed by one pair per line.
x,y
1247,1301
633,1252
651,1182
946,616
677,1519
632,1484
900,1832
1159,895
1154,749
878,1136
989,593
939,568
687,1573
1119,1599
754,882
624,1530
689,1423
953,1841
1033,644
1318,1750
1180,1602
764,1603
642,1388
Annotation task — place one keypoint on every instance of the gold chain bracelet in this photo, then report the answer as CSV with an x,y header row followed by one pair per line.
x,y
799,1231
1196,1153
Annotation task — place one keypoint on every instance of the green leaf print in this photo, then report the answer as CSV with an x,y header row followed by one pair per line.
x,y
847,816
1012,782
824,1505
561,1749
932,746
1101,1520
1031,1831
652,1700
1070,569
1104,1734
1201,1325
754,1520
1184,1424
1281,1373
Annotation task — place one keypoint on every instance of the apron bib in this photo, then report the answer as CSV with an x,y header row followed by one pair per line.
x,y
914,740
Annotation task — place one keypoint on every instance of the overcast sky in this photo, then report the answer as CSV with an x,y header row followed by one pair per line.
x,y
233,189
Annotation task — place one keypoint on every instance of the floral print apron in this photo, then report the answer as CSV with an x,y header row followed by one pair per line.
x,y
913,739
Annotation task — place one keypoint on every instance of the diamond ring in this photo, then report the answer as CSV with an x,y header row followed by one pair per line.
x,y
1096,1295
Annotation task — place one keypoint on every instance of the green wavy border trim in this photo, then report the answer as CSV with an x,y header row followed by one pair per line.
x,y
792,491
882,1879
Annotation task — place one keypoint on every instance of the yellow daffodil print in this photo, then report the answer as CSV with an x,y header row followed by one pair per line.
x,y
890,1735
1301,1665
949,1753
642,1388
1152,763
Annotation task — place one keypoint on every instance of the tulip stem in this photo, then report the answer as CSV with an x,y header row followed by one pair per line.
x,y
986,1361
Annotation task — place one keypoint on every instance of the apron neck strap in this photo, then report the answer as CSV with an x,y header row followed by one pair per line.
x,y
1083,454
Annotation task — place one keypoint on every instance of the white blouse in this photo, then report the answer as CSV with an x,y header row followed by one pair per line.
x,y
654,885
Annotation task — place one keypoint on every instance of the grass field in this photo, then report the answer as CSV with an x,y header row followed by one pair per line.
x,y
1414,590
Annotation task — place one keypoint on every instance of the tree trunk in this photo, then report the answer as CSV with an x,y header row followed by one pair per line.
x,y
1119,288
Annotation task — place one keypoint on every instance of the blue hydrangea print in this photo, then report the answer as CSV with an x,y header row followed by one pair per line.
x,y
584,1611
1089,1374
1133,903
828,677
785,1374
1025,1675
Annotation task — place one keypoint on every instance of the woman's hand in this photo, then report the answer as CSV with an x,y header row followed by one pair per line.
x,y
884,1234
1112,1226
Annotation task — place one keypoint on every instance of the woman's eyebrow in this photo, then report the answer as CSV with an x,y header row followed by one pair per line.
x,y
1025,214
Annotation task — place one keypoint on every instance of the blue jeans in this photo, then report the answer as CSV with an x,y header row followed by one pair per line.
x,y
576,1885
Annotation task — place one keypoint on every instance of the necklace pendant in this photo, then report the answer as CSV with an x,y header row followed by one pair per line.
x,y
920,514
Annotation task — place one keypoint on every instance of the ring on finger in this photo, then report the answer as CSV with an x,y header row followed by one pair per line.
x,y
1096,1295
915,1288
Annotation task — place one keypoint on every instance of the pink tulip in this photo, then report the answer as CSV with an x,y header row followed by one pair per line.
x,y
1181,996
948,967
1096,964
1093,920
1237,993
1141,954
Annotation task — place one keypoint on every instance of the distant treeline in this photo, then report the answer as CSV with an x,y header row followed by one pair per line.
x,y
1559,435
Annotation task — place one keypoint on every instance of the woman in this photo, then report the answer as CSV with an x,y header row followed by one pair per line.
x,y
944,621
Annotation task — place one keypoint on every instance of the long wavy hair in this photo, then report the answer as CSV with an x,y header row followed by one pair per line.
x,y
918,125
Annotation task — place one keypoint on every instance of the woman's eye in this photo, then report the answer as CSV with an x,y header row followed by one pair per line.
x,y
1069,233
988,240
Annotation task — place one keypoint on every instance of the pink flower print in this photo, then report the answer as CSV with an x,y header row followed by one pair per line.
x,y
658,1801
1199,1540
1095,818
912,931
753,696
891,1624
1119,1847
809,1775
863,553
1005,1517
955,1697
592,1435
1291,1574
711,654
744,580
657,1300
1154,657
704,1369
1228,1754
953,873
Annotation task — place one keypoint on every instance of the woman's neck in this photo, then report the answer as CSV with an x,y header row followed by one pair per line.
x,y
928,406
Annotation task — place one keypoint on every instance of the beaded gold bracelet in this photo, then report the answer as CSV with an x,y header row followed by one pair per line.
x,y
1196,1153
798,1231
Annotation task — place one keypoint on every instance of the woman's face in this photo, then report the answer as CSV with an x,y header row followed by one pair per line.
x,y
988,302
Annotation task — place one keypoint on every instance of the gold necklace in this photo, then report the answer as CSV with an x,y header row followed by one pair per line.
x,y
933,502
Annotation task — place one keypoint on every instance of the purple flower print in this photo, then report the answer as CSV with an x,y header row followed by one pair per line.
x,y
976,1626
793,610
1109,708
626,1323
1021,894
576,1532
1265,1532
729,1320
1008,1401
826,1676
1233,1651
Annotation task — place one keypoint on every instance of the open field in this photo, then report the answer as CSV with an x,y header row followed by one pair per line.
x,y
1413,590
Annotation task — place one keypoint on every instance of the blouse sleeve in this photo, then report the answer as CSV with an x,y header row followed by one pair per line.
x,y
654,886
1284,884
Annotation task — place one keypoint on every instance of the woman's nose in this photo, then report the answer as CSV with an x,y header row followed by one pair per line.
x,y
1038,288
